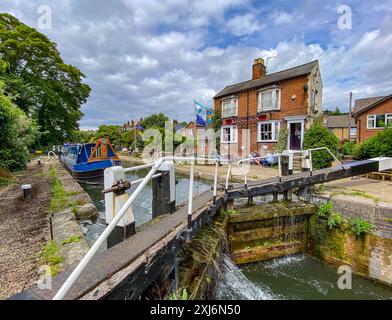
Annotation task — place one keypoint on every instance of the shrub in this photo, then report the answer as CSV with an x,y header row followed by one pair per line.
x,y
319,136
361,227
324,210
334,220
378,145
348,148
282,139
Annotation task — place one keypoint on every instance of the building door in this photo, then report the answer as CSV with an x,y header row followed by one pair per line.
x,y
295,135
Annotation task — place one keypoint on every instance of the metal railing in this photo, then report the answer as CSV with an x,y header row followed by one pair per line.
x,y
52,152
110,227
154,167
304,153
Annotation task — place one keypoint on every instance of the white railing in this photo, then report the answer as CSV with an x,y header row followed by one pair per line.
x,y
143,182
303,153
51,152
108,230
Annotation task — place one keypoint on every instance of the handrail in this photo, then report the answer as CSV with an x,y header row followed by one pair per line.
x,y
53,154
110,227
279,161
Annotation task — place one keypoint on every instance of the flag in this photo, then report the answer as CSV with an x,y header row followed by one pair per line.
x,y
199,108
200,121
210,114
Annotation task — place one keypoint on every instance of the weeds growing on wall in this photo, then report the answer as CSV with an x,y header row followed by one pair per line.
x,y
50,256
324,210
59,196
361,227
335,220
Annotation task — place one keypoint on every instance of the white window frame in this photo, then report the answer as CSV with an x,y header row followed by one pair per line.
x,y
274,130
233,133
373,117
233,102
260,108
388,116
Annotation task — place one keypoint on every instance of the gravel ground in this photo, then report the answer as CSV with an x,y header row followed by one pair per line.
x,y
24,229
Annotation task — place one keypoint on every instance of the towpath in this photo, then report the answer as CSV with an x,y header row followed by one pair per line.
x,y
24,229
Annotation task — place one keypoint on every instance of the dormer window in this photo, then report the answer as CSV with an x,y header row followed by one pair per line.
x,y
269,100
230,107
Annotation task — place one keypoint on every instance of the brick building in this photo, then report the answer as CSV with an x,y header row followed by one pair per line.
x,y
372,115
339,125
290,98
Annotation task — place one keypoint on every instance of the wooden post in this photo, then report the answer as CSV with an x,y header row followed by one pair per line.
x,y
113,203
164,190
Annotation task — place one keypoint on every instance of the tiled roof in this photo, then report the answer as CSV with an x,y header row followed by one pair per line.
x,y
268,79
364,104
338,121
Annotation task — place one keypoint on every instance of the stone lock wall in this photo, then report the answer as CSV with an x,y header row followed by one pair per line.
x,y
258,233
369,255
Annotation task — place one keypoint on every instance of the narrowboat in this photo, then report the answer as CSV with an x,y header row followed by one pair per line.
x,y
87,162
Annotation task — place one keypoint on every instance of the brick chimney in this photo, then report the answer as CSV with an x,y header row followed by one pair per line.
x,y
258,69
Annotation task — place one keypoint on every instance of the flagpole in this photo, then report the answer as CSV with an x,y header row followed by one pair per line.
x,y
194,131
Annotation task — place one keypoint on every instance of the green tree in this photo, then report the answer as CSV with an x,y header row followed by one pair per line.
x,y
17,133
319,136
217,124
111,132
41,84
282,139
156,120
83,136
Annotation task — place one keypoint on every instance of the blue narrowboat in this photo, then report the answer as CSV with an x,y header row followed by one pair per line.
x,y
87,162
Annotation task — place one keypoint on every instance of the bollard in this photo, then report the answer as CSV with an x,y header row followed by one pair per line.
x,y
164,190
113,203
26,188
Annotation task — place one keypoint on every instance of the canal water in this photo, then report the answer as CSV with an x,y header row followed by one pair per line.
x,y
294,277
142,207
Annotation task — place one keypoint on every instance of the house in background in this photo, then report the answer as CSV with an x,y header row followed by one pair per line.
x,y
372,115
290,98
339,125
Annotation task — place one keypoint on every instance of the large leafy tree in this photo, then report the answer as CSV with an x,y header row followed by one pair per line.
x,y
17,133
41,84
111,132
156,120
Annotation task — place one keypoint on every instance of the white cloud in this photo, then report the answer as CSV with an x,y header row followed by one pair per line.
x,y
282,17
149,56
245,24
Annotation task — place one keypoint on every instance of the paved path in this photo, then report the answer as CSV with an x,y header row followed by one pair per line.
x,y
379,189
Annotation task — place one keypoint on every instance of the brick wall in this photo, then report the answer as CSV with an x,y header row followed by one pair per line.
x,y
362,132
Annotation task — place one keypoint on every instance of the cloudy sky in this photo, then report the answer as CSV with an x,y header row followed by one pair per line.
x,y
144,56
